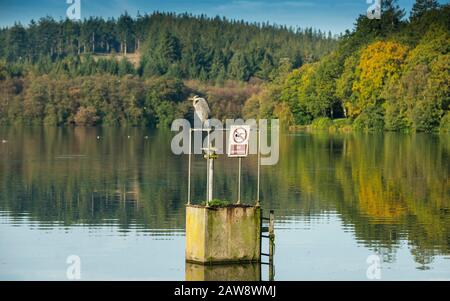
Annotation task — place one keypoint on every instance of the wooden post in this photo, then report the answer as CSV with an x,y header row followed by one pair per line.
x,y
271,245
271,272
271,236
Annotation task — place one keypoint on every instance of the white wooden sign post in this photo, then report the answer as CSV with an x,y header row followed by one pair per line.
x,y
238,146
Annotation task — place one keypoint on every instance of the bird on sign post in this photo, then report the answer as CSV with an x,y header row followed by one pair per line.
x,y
201,109
203,112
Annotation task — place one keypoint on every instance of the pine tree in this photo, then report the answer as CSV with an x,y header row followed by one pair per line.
x,y
239,67
17,43
125,31
391,15
266,66
421,6
169,48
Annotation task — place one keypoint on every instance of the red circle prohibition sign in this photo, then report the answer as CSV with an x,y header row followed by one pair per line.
x,y
240,135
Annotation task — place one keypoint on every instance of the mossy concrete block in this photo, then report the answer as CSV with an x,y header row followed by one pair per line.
x,y
229,234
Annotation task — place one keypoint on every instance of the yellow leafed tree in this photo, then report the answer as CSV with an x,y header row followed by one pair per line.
x,y
380,62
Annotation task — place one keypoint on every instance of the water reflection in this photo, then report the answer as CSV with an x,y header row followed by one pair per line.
x,y
235,272
385,189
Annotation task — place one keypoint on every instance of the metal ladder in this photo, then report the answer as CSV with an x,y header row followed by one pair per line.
x,y
270,230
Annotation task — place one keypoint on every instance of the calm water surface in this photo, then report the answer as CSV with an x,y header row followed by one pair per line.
x,y
118,204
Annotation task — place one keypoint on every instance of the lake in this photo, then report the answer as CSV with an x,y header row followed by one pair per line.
x,y
118,203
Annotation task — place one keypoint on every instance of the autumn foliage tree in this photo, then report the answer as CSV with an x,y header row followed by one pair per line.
x,y
381,76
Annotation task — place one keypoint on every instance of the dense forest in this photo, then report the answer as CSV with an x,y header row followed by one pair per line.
x,y
182,46
388,74
140,71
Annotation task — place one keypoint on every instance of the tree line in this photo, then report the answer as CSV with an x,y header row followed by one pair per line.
x,y
111,100
178,45
390,74
66,72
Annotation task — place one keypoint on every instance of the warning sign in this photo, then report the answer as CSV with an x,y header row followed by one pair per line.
x,y
238,142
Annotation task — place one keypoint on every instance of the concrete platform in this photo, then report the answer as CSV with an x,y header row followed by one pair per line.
x,y
223,235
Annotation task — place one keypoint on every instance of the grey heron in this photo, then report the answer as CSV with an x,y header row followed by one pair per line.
x,y
204,113
201,109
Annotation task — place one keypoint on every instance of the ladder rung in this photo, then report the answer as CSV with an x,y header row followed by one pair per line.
x,y
265,236
264,254
265,229
266,219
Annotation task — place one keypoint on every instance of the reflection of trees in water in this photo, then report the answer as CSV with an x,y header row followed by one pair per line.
x,y
390,187
386,188
71,176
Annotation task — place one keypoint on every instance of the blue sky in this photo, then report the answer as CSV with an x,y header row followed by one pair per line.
x,y
333,15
